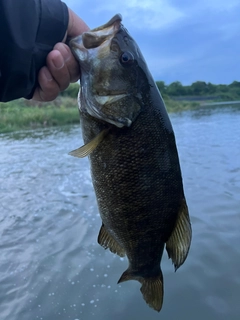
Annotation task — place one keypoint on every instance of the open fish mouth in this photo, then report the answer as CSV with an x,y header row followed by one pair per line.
x,y
95,37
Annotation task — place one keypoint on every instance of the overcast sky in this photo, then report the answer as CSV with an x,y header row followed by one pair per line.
x,y
181,40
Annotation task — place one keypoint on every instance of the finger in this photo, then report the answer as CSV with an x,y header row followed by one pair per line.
x,y
70,61
48,88
76,25
58,69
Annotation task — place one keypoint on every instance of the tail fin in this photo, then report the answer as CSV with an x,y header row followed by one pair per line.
x,y
152,288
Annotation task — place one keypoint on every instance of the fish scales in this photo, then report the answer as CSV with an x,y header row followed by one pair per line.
x,y
133,156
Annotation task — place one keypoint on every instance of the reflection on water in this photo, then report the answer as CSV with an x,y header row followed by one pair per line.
x,y
51,266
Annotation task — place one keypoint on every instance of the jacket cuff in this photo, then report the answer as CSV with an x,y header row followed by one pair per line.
x,y
53,23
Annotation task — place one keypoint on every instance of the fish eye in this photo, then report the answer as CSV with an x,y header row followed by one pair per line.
x,y
126,58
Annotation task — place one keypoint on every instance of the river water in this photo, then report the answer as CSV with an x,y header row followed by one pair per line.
x,y
51,266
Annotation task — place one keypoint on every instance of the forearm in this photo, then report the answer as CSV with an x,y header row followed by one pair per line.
x,y
28,31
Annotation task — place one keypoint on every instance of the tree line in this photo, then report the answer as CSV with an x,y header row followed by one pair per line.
x,y
201,88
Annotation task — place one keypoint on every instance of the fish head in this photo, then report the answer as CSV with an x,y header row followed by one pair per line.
x,y
113,73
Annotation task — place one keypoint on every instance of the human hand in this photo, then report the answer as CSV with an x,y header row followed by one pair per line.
x,y
61,67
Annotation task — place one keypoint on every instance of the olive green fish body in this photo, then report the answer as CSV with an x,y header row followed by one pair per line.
x,y
134,161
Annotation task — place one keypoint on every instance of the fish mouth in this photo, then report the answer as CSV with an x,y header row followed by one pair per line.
x,y
108,99
95,37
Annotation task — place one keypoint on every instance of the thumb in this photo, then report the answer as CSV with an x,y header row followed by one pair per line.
x,y
76,25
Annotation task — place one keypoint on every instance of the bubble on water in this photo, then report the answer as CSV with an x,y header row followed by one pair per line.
x,y
103,285
109,287
73,282
116,291
122,259
91,269
108,266
105,275
83,304
94,286
92,301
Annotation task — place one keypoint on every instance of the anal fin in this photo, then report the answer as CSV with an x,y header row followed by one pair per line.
x,y
108,242
179,242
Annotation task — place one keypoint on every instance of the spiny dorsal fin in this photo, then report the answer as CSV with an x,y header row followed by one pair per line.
x,y
152,288
179,242
108,242
90,146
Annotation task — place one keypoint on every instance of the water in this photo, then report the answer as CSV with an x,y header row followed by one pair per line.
x,y
51,266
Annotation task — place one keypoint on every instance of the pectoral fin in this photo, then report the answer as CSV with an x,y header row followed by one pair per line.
x,y
108,242
90,146
179,242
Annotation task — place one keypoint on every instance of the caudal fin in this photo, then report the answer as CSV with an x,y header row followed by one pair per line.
x,y
152,288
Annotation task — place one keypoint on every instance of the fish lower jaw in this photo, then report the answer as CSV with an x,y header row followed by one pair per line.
x,y
108,99
118,122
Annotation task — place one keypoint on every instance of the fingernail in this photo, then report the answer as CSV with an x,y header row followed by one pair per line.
x,y
58,62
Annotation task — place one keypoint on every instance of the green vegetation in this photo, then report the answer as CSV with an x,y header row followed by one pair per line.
x,y
26,114
178,106
201,90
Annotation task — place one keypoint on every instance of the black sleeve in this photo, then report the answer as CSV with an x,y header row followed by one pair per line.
x,y
28,31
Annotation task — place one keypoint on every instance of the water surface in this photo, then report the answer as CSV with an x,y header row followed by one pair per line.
x,y
51,266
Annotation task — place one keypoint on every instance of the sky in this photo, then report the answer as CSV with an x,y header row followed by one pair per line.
x,y
181,40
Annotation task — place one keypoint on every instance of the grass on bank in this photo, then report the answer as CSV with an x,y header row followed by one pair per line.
x,y
23,114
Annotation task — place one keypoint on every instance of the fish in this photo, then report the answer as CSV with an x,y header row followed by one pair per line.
x,y
134,163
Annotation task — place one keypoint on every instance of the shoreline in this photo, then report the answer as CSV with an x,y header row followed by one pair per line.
x,y
26,114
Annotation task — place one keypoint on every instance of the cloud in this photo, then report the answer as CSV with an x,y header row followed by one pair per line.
x,y
181,40
144,13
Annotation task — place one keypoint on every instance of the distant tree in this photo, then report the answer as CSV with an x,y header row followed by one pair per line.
x,y
235,84
222,88
176,89
211,88
199,88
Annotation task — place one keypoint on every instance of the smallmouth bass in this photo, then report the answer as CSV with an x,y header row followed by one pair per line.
x,y
134,161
